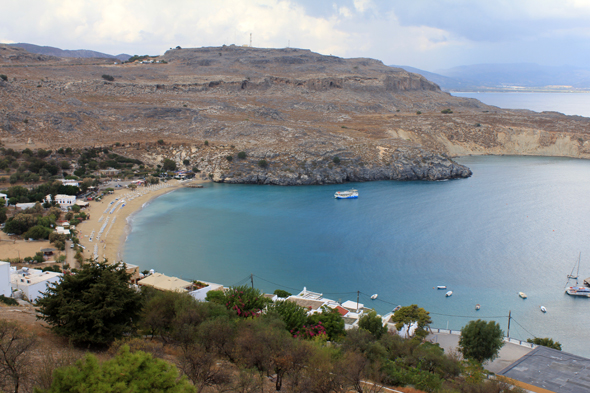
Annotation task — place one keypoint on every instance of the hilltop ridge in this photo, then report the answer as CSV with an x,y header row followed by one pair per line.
x,y
294,109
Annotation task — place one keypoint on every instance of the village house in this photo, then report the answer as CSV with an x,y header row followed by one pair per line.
x,y
162,282
64,201
5,198
70,182
5,288
32,282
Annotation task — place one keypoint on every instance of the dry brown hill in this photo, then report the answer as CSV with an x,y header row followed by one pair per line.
x,y
292,108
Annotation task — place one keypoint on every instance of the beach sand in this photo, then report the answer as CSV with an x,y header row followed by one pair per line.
x,y
10,248
109,244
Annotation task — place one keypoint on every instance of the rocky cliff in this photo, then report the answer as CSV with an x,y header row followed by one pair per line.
x,y
311,118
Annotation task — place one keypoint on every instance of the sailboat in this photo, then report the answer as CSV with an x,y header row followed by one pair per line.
x,y
571,275
576,290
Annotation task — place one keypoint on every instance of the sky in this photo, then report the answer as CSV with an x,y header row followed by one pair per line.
x,y
427,34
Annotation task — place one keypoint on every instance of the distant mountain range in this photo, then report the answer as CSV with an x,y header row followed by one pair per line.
x,y
81,53
508,77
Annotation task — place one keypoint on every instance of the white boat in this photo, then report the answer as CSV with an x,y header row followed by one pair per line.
x,y
441,287
522,295
397,308
571,275
350,194
543,309
578,291
448,294
477,307
374,297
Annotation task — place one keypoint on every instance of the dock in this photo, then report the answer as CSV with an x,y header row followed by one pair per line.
x,y
194,185
587,282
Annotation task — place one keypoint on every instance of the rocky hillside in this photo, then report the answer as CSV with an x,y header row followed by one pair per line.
x,y
299,117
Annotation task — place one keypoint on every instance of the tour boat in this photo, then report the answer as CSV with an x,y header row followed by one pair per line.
x,y
350,194
397,308
374,297
477,307
441,287
543,309
448,294
578,291
522,295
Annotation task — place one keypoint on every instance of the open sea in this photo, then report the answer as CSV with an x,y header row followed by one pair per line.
x,y
518,224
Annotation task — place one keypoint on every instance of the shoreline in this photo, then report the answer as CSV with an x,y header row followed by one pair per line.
x,y
105,233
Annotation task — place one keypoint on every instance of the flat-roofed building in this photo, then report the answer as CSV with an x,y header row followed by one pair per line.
x,y
32,282
64,201
162,282
548,370
5,288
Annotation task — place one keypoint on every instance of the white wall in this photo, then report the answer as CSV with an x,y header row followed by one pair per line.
x,y
5,288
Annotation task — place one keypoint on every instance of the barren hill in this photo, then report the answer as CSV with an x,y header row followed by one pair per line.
x,y
291,109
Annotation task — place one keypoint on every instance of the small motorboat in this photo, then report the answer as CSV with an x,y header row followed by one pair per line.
x,y
543,309
449,294
397,308
441,287
477,307
374,297
522,295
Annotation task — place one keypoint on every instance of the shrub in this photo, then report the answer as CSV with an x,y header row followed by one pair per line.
x,y
336,160
108,77
3,77
186,162
418,112
8,301
206,143
229,158
282,293
262,163
242,155
445,111
160,141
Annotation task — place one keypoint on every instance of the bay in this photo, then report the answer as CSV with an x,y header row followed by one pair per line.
x,y
566,103
518,224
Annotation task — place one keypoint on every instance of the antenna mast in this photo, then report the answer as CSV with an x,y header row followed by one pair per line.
x,y
250,40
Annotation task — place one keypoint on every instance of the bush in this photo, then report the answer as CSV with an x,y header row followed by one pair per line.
x,y
242,155
108,77
445,111
418,112
282,293
263,164
186,162
8,301
229,158
160,141
336,160
206,143
3,77
169,165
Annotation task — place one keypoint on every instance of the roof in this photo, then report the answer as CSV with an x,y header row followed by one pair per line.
x,y
550,369
306,303
342,310
165,283
350,305
31,279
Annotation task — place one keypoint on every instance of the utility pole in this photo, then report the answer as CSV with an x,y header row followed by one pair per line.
x,y
357,300
250,40
252,280
509,317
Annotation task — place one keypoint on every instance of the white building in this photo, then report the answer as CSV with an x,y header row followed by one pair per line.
x,y
5,288
5,198
64,201
32,281
70,182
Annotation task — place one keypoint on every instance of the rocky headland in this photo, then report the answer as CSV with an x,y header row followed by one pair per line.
x,y
298,117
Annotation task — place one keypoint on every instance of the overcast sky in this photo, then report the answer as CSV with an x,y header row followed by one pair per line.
x,y
428,34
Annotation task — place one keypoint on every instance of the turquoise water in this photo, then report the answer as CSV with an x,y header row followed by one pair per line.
x,y
566,103
518,224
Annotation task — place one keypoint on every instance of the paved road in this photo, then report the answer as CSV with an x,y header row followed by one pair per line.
x,y
508,354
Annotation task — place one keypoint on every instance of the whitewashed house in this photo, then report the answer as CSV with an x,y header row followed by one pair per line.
x,y
5,198
201,293
64,201
32,282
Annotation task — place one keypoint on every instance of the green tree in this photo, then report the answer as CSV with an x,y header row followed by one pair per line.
x,y
127,372
37,232
292,314
373,323
546,342
331,320
410,314
242,155
94,306
282,293
169,165
244,300
481,340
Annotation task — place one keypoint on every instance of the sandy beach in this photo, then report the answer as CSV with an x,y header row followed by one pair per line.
x,y
105,232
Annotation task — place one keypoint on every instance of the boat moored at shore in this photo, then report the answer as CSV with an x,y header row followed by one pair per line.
x,y
350,194
522,295
578,291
